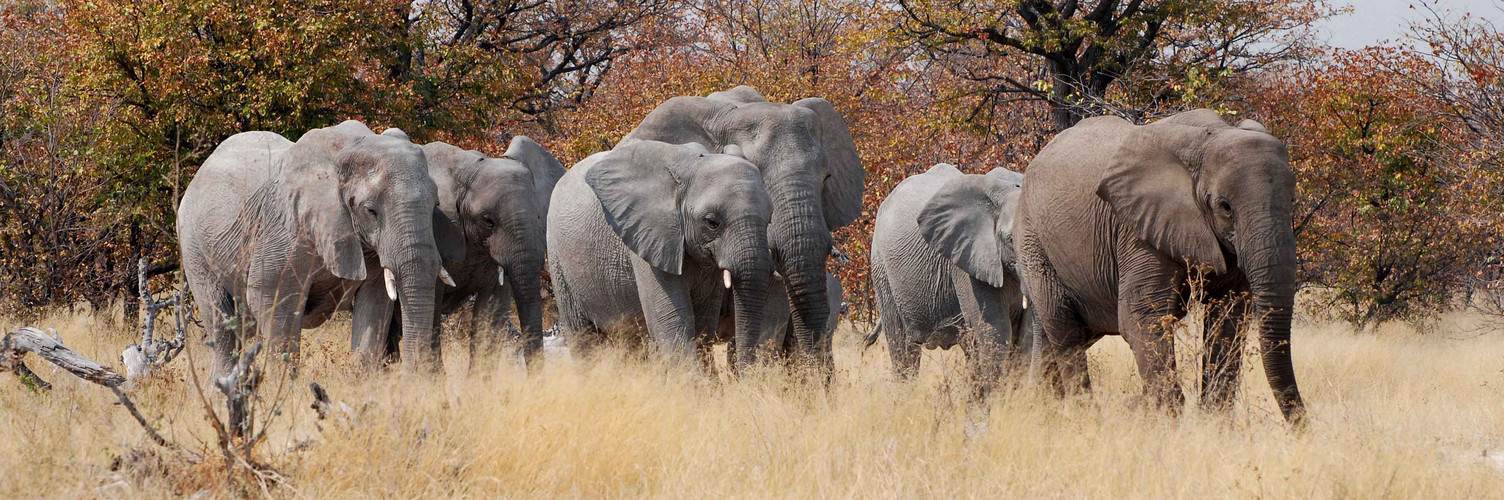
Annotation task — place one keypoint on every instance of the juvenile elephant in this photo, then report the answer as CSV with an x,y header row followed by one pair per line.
x,y
1110,217
499,205
810,166
943,269
281,232
774,338
650,233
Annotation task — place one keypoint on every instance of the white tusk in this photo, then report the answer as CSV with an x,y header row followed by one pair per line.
x,y
391,283
445,277
1026,302
726,277
501,277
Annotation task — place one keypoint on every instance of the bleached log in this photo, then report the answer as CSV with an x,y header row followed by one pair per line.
x,y
16,344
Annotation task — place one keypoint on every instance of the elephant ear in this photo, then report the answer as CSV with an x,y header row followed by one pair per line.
x,y
308,174
545,168
1150,187
639,191
844,174
970,222
449,238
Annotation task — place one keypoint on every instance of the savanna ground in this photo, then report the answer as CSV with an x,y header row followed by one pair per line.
x,y
1394,414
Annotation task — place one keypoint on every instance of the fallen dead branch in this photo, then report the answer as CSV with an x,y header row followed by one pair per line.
x,y
140,359
16,344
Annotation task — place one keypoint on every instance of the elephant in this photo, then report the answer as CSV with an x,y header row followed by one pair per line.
x,y
1113,217
777,321
944,272
283,233
499,205
647,234
810,166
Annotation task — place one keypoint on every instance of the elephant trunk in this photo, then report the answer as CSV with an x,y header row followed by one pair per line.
x,y
1271,266
802,253
750,268
526,281
416,267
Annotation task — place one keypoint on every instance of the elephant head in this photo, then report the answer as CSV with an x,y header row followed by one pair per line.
x,y
385,188
500,205
1211,194
969,221
668,202
809,164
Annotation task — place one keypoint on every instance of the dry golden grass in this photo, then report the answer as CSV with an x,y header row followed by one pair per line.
x,y
1395,414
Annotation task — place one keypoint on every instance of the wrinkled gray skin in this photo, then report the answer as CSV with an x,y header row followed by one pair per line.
x,y
810,167
1109,217
643,234
774,338
499,205
943,269
267,229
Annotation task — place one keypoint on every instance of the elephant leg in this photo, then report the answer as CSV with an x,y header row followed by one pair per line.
x,y
668,311
371,321
581,334
488,324
1147,307
1061,346
989,329
904,355
219,319
1222,355
280,318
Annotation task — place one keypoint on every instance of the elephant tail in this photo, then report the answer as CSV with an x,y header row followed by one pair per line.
x,y
872,336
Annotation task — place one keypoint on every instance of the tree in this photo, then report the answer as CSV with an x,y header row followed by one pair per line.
x,y
1082,49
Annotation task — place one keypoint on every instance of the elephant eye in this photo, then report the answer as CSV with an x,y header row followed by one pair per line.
x,y
488,220
711,223
1225,206
370,210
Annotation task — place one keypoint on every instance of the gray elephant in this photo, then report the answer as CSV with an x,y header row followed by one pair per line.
x,y
648,234
282,233
1110,217
499,205
774,338
810,166
943,269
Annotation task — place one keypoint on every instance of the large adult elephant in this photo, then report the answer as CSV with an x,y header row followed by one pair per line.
x,y
944,271
281,233
810,166
1110,217
650,233
500,205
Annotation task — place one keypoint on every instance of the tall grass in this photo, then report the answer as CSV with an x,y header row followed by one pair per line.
x,y
1394,414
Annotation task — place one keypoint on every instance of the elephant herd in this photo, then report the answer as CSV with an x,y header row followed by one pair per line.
x,y
711,222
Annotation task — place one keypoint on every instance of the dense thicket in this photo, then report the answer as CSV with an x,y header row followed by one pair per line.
x,y
107,107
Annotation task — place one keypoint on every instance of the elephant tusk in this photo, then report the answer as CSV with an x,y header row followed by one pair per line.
x,y
391,283
726,278
445,277
501,277
1026,302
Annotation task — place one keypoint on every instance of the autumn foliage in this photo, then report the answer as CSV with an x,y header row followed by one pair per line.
x,y
107,107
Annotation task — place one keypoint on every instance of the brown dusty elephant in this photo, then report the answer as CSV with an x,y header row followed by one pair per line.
x,y
810,166
281,233
1111,214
